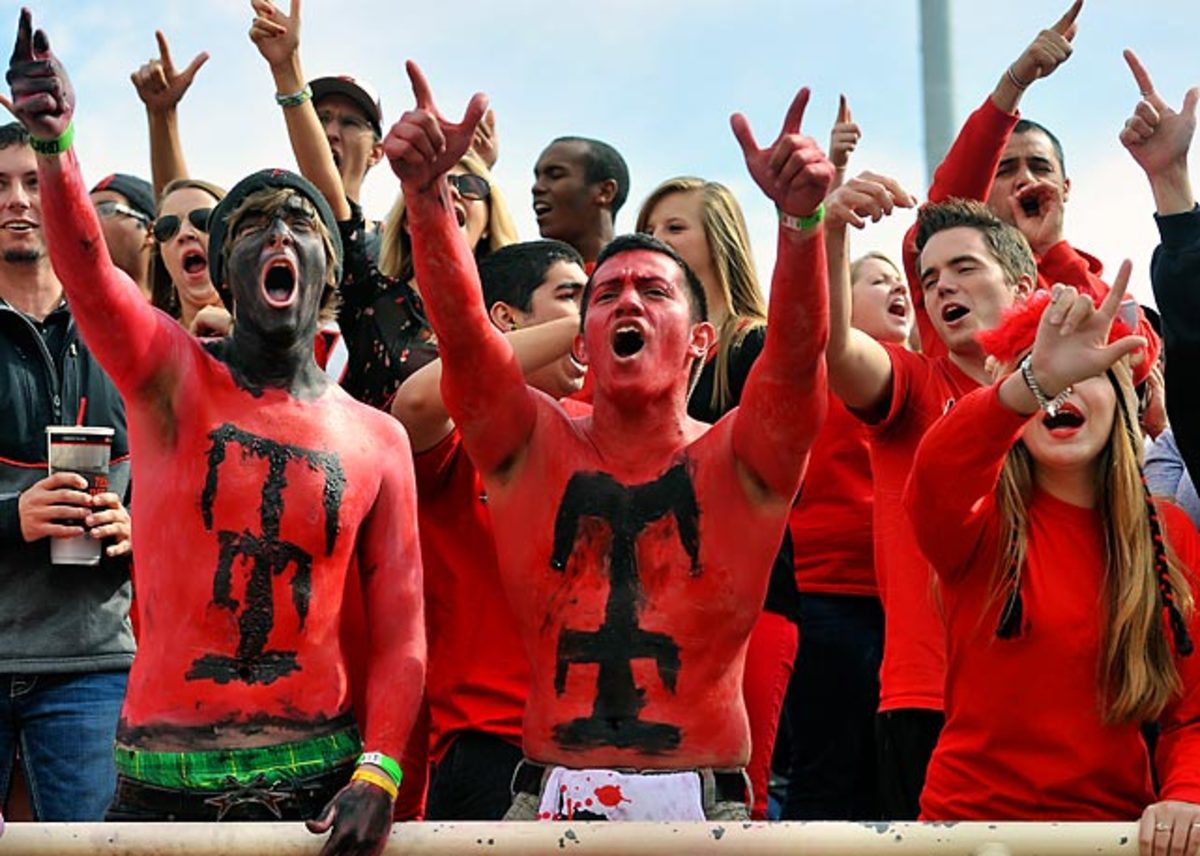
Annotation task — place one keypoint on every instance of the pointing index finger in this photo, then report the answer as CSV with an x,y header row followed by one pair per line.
x,y
1067,22
164,52
420,87
791,122
843,115
1112,300
23,49
1145,84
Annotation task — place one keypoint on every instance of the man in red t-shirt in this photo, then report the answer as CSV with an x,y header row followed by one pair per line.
x,y
972,267
477,674
1017,167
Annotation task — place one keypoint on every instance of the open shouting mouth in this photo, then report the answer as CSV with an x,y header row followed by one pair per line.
x,y
279,281
195,262
627,340
953,312
1065,422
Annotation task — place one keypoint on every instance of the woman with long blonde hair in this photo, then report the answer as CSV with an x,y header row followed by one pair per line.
x,y
703,222
1068,593
381,316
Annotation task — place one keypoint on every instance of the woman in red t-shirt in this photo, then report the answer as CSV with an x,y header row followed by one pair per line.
x,y
1068,594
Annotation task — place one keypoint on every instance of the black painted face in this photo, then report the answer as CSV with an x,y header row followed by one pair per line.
x,y
277,269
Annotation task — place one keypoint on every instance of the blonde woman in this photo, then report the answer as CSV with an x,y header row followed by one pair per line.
x,y
381,317
1068,594
702,221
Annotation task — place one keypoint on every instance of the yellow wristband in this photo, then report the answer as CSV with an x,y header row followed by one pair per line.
x,y
373,778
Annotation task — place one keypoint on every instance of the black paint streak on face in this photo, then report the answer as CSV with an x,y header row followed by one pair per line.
x,y
269,555
619,640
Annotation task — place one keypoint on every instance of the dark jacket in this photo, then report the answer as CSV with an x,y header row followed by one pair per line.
x,y
1175,275
55,618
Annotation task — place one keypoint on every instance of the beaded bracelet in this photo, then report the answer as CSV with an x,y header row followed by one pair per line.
x,y
56,146
294,99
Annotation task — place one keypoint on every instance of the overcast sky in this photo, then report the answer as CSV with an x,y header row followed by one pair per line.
x,y
657,78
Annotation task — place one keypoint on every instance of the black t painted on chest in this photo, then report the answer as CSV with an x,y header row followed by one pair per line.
x,y
628,510
269,556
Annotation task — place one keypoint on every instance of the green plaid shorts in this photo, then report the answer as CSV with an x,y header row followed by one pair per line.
x,y
216,769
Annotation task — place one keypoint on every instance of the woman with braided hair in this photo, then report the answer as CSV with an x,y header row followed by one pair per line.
x,y
1068,593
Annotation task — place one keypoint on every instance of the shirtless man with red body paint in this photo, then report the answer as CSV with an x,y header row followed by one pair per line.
x,y
634,544
266,482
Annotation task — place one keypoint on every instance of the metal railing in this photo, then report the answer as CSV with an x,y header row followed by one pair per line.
x,y
626,839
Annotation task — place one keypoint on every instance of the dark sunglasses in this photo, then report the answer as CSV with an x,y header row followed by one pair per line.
x,y
167,225
470,186
109,208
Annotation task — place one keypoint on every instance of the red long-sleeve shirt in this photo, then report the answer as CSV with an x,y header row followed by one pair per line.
x,y
967,172
914,658
831,523
1024,738
478,673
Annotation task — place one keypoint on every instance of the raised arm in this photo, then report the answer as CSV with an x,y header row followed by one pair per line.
x,y
784,400
277,37
951,492
389,562
484,389
1159,139
419,404
969,168
161,87
843,139
127,336
860,370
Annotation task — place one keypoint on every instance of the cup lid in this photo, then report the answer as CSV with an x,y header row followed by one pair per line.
x,y
88,431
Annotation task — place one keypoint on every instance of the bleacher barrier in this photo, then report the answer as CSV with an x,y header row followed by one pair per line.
x,y
562,839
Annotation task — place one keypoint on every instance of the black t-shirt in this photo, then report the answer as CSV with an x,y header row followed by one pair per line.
x,y
382,321
782,595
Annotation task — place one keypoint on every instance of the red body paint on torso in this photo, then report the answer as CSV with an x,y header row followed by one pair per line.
x,y
636,554
251,510
706,613
211,652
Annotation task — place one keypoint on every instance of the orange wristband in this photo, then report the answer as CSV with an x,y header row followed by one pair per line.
x,y
373,778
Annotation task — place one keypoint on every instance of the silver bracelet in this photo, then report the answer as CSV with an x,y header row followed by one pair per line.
x,y
1049,406
1016,81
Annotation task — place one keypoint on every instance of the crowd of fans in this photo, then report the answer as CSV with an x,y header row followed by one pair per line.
x,y
407,518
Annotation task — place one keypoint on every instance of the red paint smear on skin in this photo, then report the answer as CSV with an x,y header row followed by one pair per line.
x,y
610,795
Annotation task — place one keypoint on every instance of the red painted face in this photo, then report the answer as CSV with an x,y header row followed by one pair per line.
x,y
638,336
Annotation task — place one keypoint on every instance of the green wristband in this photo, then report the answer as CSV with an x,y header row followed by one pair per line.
x,y
383,762
294,99
56,146
801,224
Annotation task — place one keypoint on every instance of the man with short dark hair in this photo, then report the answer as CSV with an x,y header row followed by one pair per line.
x,y
972,266
126,207
636,542
65,638
268,484
1017,167
579,186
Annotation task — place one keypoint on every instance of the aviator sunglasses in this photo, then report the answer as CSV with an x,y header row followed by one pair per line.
x,y
167,225
470,186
